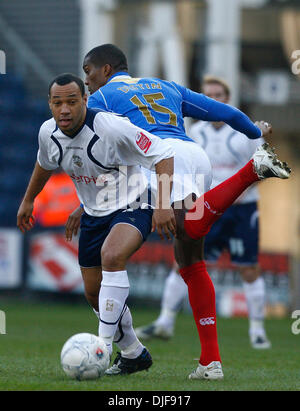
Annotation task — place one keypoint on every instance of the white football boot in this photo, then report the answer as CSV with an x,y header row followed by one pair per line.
x,y
212,371
266,163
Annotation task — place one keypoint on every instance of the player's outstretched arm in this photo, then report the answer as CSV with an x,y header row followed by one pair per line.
x,y
235,118
39,178
199,106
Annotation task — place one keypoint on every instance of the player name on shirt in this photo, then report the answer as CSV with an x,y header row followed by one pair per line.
x,y
139,86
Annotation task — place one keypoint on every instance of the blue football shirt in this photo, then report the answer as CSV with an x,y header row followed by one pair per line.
x,y
159,106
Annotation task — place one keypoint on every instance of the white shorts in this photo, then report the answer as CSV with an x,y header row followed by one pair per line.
x,y
192,170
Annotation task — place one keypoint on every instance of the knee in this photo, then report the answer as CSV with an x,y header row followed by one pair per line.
x,y
113,259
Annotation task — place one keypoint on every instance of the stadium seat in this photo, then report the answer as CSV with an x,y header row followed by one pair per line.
x,y
21,117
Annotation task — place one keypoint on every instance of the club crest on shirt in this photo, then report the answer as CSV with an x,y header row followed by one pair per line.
x,y
77,160
143,141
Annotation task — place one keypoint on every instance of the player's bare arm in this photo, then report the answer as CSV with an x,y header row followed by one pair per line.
x,y
39,178
73,223
163,217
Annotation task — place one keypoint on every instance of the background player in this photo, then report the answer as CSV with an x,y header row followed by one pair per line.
x,y
236,230
159,106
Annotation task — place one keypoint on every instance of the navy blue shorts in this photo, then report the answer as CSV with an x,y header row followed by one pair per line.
x,y
236,231
94,230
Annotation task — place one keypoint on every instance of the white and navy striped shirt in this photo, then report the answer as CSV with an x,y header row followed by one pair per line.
x,y
103,159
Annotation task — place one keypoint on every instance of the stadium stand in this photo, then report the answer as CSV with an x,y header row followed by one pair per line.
x,y
21,116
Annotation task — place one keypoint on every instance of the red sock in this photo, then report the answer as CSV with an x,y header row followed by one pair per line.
x,y
215,202
203,302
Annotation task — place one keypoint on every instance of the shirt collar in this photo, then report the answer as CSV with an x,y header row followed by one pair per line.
x,y
121,74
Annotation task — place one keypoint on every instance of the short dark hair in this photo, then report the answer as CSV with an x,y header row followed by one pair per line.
x,y
67,78
208,79
108,54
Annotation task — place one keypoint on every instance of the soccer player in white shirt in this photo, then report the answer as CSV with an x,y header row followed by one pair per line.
x,y
236,230
102,153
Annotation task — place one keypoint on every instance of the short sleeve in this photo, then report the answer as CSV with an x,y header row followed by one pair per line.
x,y
133,145
44,157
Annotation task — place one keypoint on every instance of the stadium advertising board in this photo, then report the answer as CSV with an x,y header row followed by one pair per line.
x,y
53,264
10,258
54,267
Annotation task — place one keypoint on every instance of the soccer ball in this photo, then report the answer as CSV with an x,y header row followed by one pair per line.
x,y
84,356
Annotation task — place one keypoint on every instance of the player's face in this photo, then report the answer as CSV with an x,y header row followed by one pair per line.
x,y
215,91
95,77
68,107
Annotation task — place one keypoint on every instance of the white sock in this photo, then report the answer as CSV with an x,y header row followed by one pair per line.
x,y
125,337
255,297
174,292
112,297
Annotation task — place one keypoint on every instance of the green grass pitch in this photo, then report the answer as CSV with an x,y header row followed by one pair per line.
x,y
35,333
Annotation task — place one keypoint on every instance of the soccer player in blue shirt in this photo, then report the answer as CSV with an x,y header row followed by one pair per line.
x,y
159,107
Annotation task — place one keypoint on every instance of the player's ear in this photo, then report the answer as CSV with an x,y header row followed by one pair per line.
x,y
85,98
107,70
